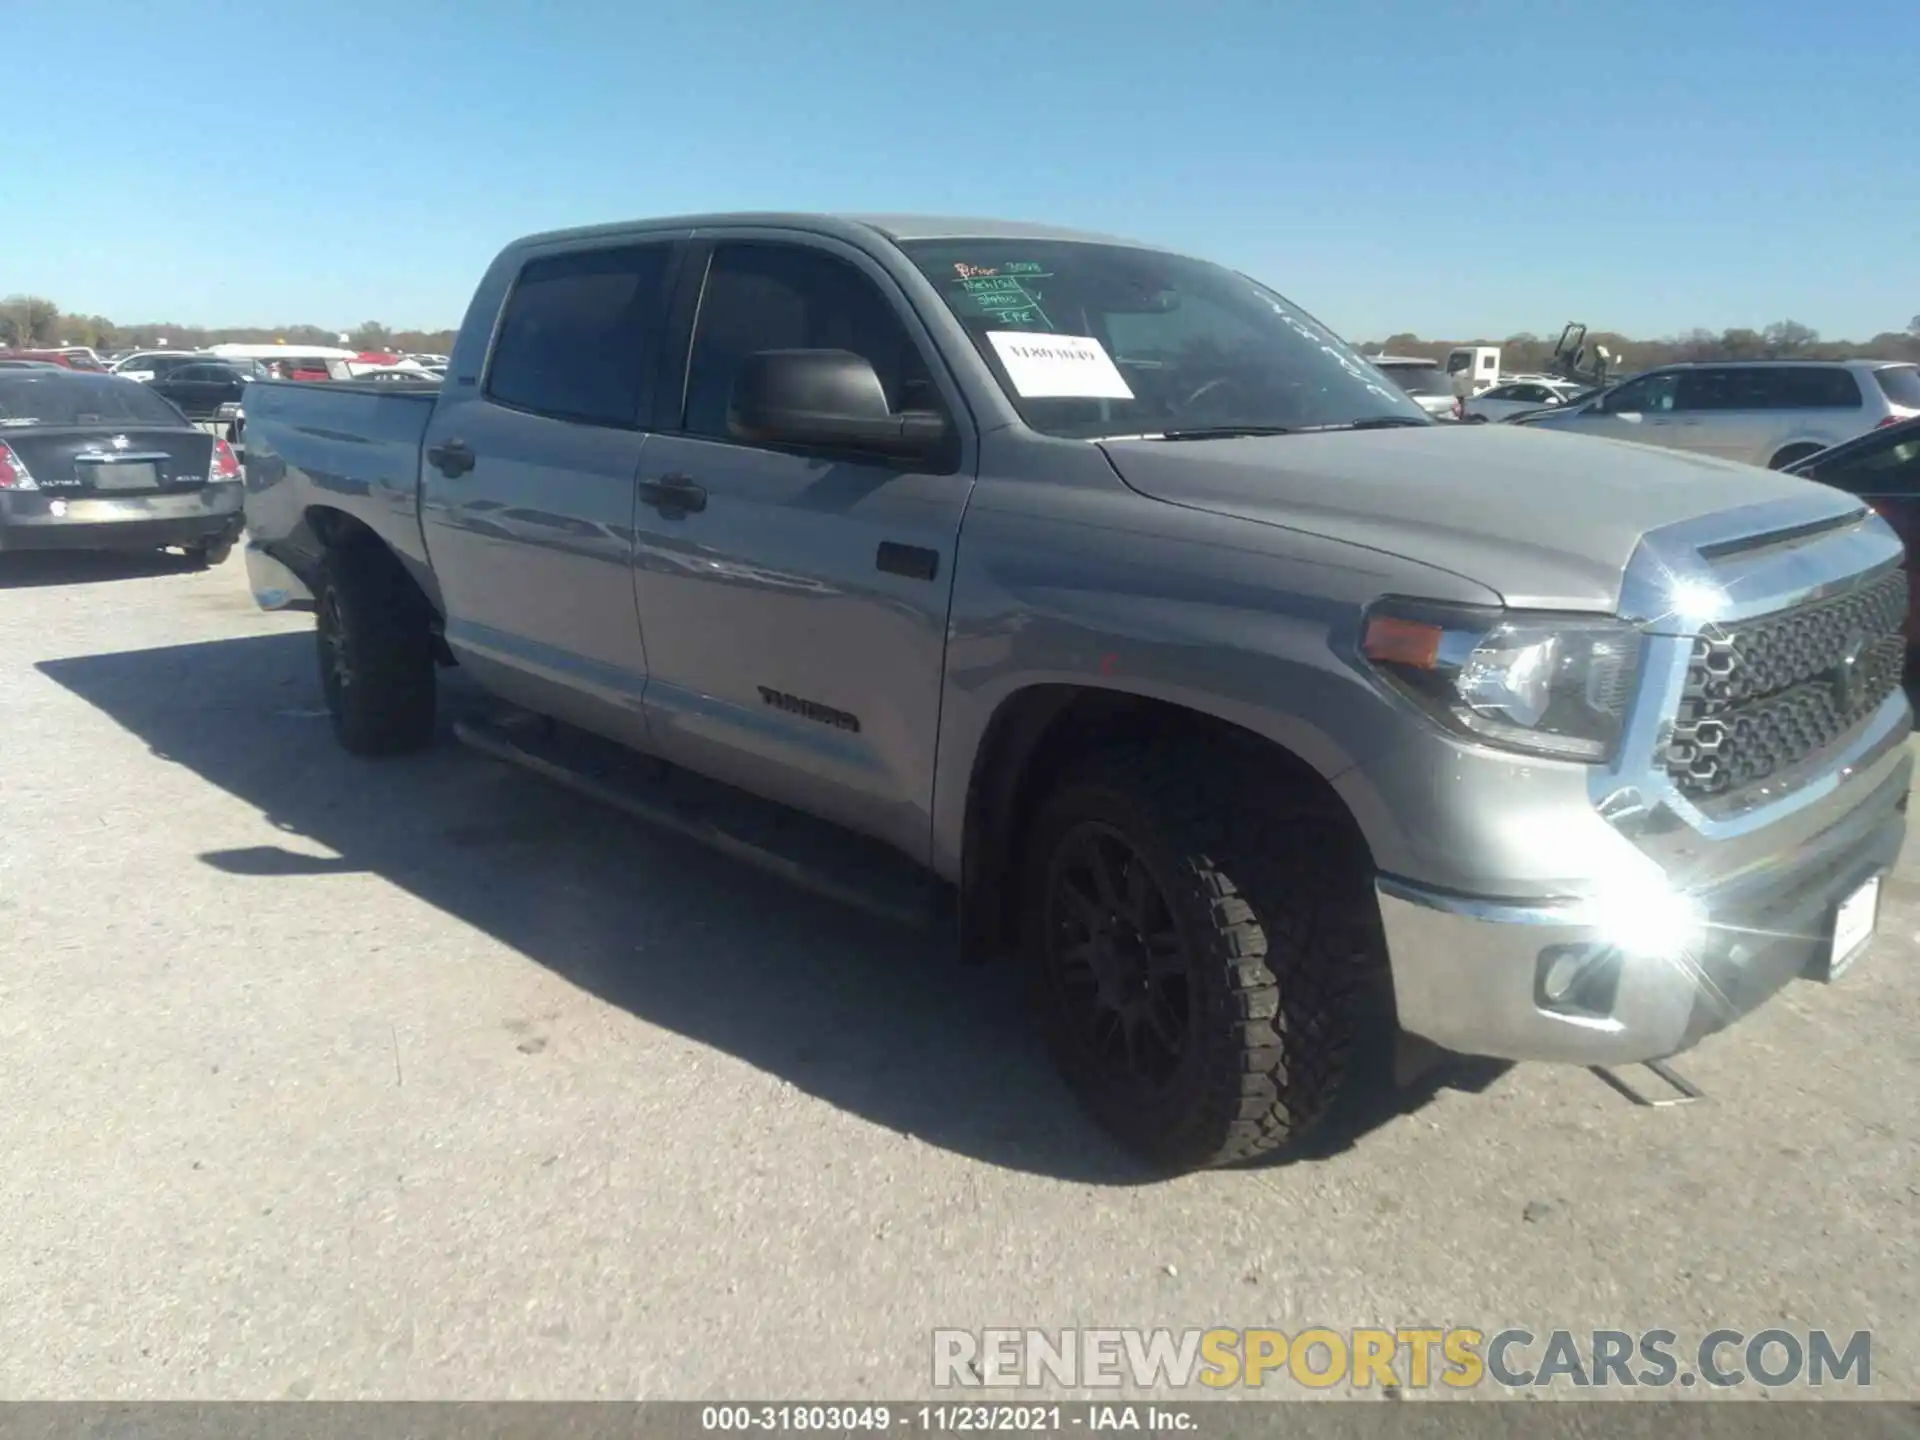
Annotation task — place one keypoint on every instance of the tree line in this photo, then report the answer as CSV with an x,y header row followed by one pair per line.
x,y
30,321
27,321
1782,340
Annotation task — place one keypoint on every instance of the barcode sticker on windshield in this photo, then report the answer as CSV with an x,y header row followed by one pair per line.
x,y
1059,367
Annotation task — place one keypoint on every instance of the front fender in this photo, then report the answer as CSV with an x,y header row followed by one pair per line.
x,y
1096,586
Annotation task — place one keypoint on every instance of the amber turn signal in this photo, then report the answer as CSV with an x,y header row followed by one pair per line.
x,y
1393,641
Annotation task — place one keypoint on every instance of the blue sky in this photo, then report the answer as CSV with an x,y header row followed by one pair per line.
x,y
1640,165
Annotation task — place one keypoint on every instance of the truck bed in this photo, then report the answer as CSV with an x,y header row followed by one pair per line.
x,y
354,447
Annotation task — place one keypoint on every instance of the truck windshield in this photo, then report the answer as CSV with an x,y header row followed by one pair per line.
x,y
1091,340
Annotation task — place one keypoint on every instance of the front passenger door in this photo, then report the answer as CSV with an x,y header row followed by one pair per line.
x,y
795,602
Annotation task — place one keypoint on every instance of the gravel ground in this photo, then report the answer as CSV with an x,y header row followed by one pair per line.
x,y
425,1080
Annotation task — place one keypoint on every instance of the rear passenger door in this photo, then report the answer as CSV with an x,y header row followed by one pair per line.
x,y
528,479
795,601
1723,410
1813,405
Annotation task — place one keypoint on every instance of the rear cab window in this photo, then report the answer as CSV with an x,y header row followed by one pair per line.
x,y
580,334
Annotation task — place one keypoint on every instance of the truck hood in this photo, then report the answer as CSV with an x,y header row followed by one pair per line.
x,y
1547,521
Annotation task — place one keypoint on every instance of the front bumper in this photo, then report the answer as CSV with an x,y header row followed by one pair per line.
x,y
48,520
1471,974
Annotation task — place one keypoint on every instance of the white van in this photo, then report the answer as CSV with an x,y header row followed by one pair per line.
x,y
1474,369
296,362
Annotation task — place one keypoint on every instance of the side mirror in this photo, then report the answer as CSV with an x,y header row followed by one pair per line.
x,y
827,398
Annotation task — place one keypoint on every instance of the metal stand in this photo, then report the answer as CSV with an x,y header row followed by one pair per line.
x,y
1685,1092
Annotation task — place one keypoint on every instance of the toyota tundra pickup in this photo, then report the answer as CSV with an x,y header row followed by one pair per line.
x,y
1176,647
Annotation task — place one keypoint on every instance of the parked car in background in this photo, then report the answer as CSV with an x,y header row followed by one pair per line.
x,y
201,389
148,364
96,462
292,362
1473,369
67,357
1764,412
1882,467
1515,397
399,375
1430,387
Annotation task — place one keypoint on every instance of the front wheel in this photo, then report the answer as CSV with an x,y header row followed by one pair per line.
x,y
1198,962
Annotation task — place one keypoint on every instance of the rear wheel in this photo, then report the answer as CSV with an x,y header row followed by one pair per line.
x,y
376,652
1792,454
1199,961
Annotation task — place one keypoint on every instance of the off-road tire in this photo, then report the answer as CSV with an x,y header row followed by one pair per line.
x,y
374,641
1282,942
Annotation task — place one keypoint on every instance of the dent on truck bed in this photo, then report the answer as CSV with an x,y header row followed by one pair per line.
x,y
331,460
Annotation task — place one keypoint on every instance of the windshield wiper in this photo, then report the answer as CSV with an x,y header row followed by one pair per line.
x,y
1375,422
1224,432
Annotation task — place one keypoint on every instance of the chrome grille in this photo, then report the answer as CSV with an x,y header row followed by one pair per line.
x,y
1766,693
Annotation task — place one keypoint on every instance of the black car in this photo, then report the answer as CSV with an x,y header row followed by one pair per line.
x,y
1882,467
200,390
95,462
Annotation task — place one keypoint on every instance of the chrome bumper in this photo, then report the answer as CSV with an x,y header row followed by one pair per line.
x,y
1647,972
274,586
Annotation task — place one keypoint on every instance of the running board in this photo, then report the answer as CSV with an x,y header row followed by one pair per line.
x,y
1682,1091
797,848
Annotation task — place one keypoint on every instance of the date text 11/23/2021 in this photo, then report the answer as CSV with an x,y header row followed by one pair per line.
x,y
942,1419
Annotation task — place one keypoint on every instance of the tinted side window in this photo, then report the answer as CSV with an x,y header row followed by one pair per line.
x,y
1797,387
580,334
1648,393
786,297
1735,388
1884,470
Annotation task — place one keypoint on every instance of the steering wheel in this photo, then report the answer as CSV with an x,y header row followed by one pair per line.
x,y
1206,388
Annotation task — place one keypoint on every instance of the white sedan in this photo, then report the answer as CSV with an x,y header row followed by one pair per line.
x,y
1514,396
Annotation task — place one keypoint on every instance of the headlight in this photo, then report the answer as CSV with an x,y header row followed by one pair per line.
x,y
1557,685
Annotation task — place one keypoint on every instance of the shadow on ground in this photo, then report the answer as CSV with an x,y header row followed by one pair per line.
x,y
877,1020
27,569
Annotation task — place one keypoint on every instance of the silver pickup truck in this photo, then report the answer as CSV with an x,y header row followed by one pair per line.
x,y
1173,644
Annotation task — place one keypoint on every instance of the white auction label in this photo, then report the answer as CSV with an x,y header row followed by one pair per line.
x,y
1058,367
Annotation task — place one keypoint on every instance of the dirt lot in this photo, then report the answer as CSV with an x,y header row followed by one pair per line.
x,y
421,1079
